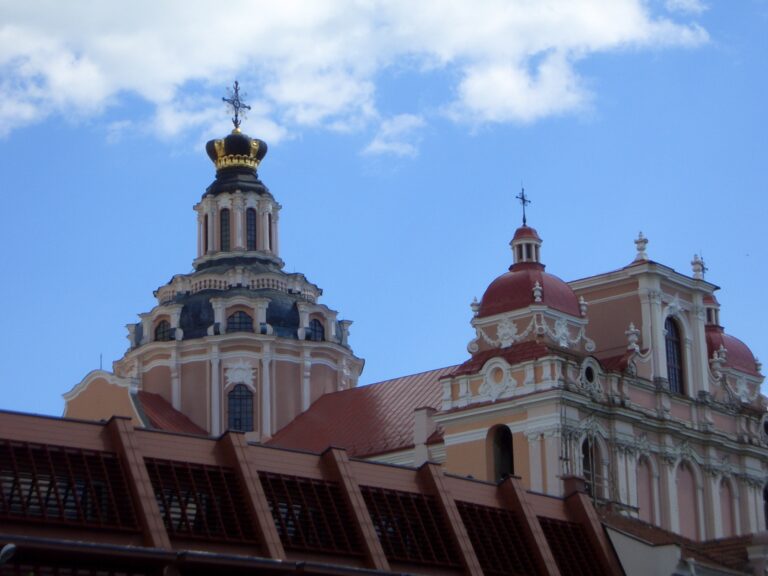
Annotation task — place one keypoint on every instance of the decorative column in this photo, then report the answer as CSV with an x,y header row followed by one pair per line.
x,y
238,213
266,393
215,391
554,485
275,235
306,374
534,460
670,517
264,210
175,379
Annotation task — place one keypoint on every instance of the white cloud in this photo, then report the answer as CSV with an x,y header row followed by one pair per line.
x,y
687,6
312,62
397,136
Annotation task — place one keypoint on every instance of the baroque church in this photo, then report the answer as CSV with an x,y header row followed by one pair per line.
x,y
625,379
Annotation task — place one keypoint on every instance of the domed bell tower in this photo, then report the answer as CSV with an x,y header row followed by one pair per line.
x,y
238,343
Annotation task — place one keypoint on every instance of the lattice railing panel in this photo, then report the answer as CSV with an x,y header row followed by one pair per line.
x,y
499,540
54,484
45,570
411,527
310,515
571,548
198,501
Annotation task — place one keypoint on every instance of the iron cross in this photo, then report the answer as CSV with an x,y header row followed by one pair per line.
x,y
524,201
236,104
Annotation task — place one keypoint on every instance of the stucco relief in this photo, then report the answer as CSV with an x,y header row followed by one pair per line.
x,y
240,373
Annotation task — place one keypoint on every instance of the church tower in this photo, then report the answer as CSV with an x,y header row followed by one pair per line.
x,y
238,343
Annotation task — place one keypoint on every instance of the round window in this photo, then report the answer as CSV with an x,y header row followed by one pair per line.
x,y
589,374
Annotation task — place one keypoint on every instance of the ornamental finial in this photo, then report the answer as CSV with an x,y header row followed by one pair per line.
x,y
524,201
640,243
236,104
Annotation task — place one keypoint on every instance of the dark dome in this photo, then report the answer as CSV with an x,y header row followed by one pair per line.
x,y
739,356
514,290
236,149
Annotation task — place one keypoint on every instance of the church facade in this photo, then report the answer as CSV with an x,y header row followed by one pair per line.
x,y
626,378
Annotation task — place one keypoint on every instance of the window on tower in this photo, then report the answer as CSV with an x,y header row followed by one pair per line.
x,y
224,229
163,331
240,409
239,322
503,459
674,356
250,229
315,331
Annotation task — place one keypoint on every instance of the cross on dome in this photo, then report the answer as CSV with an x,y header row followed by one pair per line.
x,y
524,201
236,104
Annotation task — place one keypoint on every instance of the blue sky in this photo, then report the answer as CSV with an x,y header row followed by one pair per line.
x,y
398,138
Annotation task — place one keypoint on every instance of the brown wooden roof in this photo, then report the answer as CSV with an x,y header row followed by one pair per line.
x,y
108,499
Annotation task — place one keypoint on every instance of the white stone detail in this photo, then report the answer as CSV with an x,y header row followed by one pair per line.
x,y
240,373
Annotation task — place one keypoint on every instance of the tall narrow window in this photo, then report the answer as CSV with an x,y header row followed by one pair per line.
x,y
590,463
503,458
250,229
224,229
239,322
315,331
674,356
205,234
163,331
269,221
765,506
240,404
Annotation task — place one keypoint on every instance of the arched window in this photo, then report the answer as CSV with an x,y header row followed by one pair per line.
x,y
250,229
590,465
239,322
315,331
240,404
726,509
163,331
269,221
688,512
674,356
503,455
765,505
645,503
224,229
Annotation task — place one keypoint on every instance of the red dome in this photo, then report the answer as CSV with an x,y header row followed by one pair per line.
x,y
739,356
525,232
514,290
710,299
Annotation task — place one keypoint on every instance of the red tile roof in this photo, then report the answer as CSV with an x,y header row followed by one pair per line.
x,y
163,416
367,420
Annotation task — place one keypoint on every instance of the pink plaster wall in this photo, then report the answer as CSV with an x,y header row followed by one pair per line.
x,y
724,422
323,381
158,381
681,411
287,392
641,397
194,392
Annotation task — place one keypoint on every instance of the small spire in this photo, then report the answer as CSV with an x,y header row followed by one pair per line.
x,y
236,104
698,266
524,201
640,243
